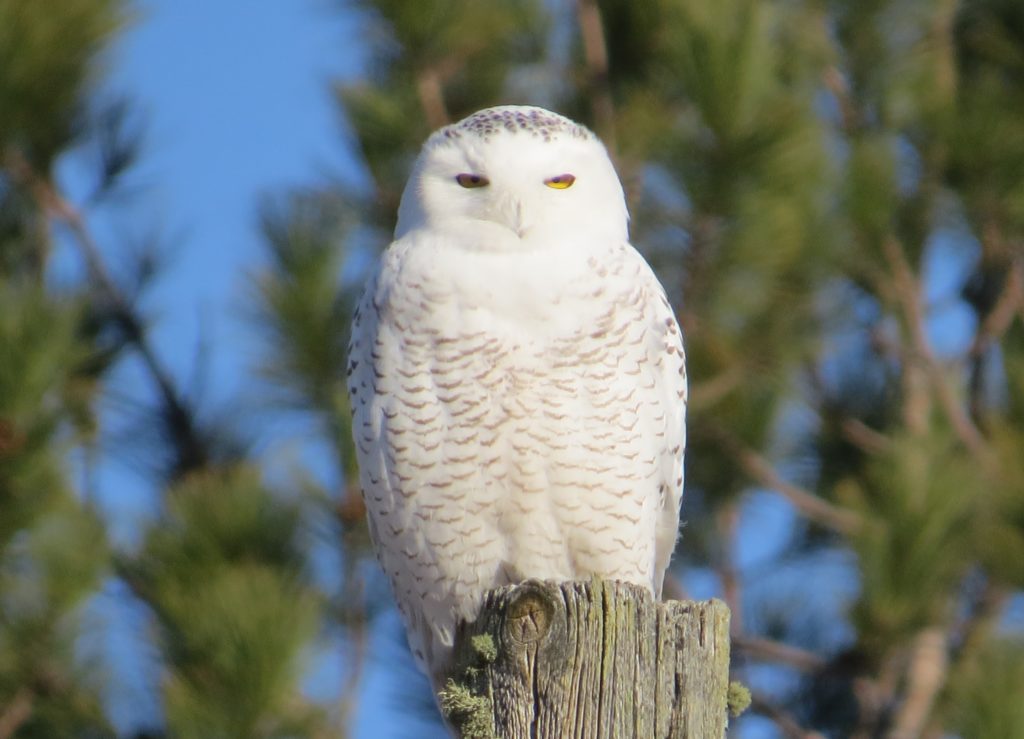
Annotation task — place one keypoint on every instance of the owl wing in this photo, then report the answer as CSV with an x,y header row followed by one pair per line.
x,y
397,419
667,358
391,528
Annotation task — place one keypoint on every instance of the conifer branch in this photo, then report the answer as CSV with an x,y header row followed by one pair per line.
x,y
836,83
595,53
864,437
727,519
908,294
1006,308
854,430
16,713
807,503
430,90
983,616
991,328
706,393
771,650
348,702
189,445
926,675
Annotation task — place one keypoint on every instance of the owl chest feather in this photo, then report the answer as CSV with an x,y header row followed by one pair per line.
x,y
529,426
519,331
538,389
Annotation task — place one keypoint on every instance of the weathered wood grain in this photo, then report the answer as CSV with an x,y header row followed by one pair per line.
x,y
599,660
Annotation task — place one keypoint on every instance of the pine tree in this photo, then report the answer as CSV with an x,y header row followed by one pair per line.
x,y
223,574
52,545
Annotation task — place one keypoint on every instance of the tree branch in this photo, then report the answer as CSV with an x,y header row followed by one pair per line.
x,y
807,503
991,328
707,393
864,437
16,713
431,95
854,430
1010,301
191,447
770,650
835,82
908,295
926,674
348,702
979,622
727,520
595,54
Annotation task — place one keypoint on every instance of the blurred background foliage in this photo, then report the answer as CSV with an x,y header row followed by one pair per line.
x,y
822,185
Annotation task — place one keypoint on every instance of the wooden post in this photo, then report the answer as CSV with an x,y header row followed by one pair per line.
x,y
600,660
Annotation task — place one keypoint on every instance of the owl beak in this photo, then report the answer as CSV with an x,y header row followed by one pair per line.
x,y
509,212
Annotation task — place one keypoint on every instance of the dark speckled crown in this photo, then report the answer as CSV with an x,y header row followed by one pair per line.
x,y
538,122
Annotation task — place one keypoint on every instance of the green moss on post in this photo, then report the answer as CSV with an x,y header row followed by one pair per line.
x,y
483,645
470,714
738,698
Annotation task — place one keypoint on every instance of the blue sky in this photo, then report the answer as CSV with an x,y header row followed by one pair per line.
x,y
237,104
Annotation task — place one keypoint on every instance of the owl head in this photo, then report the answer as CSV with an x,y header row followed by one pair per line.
x,y
514,178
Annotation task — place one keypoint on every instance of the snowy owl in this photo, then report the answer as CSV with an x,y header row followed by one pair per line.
x,y
517,378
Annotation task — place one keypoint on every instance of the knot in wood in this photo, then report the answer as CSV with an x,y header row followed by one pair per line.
x,y
529,615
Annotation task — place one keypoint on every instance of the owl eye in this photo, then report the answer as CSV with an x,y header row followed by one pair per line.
x,y
472,180
561,182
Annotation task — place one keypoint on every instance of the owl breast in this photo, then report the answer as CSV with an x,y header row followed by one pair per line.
x,y
529,429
